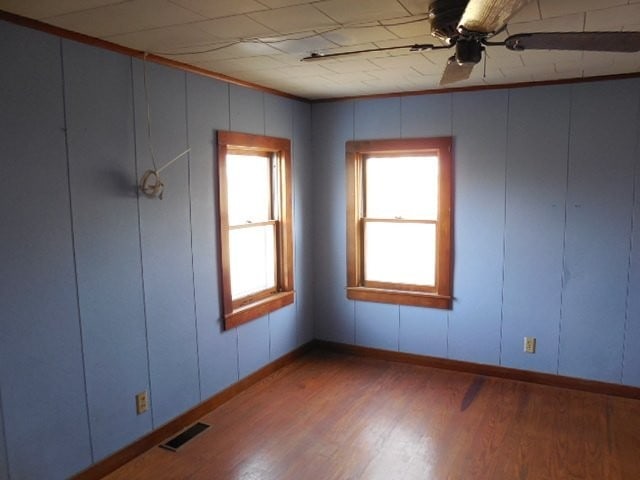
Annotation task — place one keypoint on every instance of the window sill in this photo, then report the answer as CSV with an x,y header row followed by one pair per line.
x,y
257,309
399,297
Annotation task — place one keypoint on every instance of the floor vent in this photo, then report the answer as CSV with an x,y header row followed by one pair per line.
x,y
179,440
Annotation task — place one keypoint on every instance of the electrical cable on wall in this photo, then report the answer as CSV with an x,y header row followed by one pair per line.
x,y
150,183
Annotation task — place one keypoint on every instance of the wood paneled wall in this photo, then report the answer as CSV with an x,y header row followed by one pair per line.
x,y
545,244
105,294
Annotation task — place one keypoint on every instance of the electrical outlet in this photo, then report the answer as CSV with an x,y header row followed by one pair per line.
x,y
529,344
142,403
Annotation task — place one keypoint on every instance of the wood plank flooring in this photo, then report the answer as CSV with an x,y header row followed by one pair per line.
x,y
332,416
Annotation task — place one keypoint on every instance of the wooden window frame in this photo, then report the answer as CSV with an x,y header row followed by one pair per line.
x,y
239,311
439,296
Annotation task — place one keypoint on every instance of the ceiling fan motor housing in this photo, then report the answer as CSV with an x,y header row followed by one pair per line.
x,y
468,51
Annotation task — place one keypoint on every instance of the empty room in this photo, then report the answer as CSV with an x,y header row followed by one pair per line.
x,y
320,239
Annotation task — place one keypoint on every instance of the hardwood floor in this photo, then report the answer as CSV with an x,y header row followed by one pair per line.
x,y
333,416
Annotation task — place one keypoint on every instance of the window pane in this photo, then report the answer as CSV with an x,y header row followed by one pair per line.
x,y
248,188
404,187
400,253
252,258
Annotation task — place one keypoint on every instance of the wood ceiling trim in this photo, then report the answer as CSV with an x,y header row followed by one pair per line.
x,y
436,91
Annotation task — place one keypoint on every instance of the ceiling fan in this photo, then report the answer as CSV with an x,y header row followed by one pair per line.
x,y
468,25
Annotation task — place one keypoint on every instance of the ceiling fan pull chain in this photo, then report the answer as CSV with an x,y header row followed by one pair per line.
x,y
484,72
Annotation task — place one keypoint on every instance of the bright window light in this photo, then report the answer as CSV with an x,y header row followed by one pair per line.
x,y
248,188
252,255
402,253
402,187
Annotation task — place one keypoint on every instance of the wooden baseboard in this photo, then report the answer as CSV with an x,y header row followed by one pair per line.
x,y
113,462
592,386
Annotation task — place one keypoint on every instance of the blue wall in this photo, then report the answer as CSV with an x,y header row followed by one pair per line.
x,y
103,293
544,237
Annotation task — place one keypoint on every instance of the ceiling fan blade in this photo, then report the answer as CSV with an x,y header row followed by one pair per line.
x,y
489,16
416,47
456,72
590,41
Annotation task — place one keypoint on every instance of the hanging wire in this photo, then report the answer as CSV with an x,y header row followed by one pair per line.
x,y
151,184
484,73
148,105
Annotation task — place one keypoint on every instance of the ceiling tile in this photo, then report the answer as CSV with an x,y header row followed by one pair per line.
x,y
284,3
613,18
530,12
293,19
395,75
303,70
402,42
131,16
220,8
438,57
197,59
536,59
567,23
380,85
303,47
400,61
427,67
39,9
246,49
220,51
570,70
416,7
413,29
319,87
245,64
352,11
358,36
286,59
163,39
609,59
234,27
593,71
351,66
495,51
345,50
499,61
598,59
348,77
517,75
554,8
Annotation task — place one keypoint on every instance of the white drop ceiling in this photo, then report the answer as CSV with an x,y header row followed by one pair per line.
x,y
262,41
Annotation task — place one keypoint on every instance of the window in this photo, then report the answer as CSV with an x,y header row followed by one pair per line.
x,y
256,239
399,246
